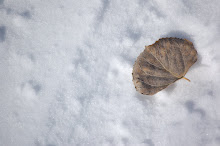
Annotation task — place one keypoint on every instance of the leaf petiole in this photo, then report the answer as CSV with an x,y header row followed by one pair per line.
x,y
185,79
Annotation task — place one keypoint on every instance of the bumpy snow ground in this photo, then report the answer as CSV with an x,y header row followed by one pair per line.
x,y
65,73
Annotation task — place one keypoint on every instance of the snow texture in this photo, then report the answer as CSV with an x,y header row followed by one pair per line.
x,y
65,72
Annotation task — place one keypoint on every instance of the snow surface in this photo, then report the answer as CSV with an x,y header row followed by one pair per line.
x,y
65,73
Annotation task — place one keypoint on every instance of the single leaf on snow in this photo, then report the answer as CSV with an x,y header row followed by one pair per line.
x,y
163,63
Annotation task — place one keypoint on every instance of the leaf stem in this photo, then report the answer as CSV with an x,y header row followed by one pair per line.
x,y
185,79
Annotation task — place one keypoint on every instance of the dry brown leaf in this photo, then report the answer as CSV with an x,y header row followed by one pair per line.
x,y
163,63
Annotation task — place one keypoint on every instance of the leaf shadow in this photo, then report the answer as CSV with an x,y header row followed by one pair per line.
x,y
198,63
179,34
170,88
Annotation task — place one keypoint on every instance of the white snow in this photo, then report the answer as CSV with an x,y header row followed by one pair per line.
x,y
65,73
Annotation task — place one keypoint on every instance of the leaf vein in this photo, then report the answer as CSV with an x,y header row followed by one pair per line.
x,y
164,67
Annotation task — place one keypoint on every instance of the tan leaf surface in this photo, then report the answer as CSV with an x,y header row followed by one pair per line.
x,y
163,63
